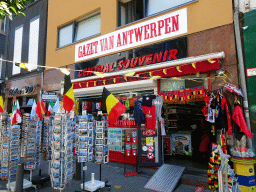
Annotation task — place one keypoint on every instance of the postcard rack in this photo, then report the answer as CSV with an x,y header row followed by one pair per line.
x,y
10,148
47,138
62,154
84,140
101,147
32,142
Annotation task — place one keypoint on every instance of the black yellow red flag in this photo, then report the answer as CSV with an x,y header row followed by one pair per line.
x,y
68,94
112,106
1,104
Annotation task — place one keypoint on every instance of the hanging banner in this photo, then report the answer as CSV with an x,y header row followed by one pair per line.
x,y
164,26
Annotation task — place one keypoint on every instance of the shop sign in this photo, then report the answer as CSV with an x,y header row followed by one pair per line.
x,y
164,26
251,72
25,90
124,122
48,96
143,56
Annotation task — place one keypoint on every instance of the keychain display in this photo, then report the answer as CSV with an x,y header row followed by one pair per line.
x,y
62,153
101,147
47,138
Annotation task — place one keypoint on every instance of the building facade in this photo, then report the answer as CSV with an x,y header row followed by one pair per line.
x,y
181,42
26,43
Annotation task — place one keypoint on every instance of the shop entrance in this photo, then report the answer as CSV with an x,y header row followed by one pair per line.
x,y
183,144
188,135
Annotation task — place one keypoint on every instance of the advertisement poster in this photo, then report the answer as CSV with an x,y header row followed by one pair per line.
x,y
149,141
181,144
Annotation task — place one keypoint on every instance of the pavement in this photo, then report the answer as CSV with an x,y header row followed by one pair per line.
x,y
113,172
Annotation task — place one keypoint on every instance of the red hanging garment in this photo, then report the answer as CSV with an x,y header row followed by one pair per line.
x,y
238,118
224,105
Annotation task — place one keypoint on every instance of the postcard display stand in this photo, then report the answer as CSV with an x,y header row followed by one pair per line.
x,y
62,154
32,141
47,138
10,149
84,140
101,154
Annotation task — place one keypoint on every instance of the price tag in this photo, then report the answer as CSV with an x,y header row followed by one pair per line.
x,y
99,112
84,168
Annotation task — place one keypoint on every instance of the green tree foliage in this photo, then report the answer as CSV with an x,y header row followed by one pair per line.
x,y
8,8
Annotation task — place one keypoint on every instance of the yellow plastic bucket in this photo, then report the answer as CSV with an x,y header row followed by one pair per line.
x,y
245,174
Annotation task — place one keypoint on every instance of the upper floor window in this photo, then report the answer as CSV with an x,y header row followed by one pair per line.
x,y
81,29
18,35
133,10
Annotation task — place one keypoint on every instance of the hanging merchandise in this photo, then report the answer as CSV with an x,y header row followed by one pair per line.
x,y
47,138
32,141
62,154
213,167
138,113
238,118
233,89
150,116
101,148
183,96
224,107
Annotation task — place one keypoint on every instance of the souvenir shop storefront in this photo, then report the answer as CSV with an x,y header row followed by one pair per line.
x,y
24,90
157,83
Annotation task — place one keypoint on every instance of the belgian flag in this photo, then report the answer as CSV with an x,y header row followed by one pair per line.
x,y
112,106
68,94
1,104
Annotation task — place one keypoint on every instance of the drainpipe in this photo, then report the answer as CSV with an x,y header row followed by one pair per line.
x,y
241,68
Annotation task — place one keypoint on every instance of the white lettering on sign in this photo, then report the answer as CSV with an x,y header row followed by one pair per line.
x,y
164,26
251,72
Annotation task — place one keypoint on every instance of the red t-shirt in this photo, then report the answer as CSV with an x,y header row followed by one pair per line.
x,y
150,116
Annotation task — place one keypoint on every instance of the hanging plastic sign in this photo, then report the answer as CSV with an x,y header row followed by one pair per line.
x,y
84,168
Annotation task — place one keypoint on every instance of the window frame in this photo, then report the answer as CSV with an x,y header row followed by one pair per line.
x,y
75,28
145,12
18,68
33,19
81,20
58,43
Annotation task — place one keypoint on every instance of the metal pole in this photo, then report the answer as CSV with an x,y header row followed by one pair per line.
x,y
30,176
241,68
19,176
83,175
100,172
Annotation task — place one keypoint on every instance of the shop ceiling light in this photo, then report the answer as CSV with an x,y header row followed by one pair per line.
x,y
65,71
